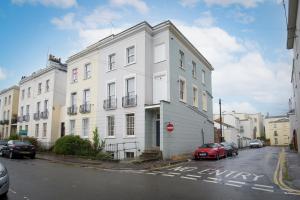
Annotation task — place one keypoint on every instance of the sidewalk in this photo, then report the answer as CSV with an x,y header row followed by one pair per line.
x,y
292,177
113,165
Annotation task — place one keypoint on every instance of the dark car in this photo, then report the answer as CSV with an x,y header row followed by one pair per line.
x,y
230,148
210,150
3,143
16,148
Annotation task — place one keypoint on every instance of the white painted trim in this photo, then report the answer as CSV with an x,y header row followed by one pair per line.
x,y
108,82
185,88
197,103
125,136
126,61
106,127
124,81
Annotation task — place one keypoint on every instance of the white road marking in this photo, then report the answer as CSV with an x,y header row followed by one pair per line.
x,y
266,190
158,172
238,182
216,179
12,191
150,173
291,193
265,186
229,184
174,173
170,175
210,181
190,178
195,176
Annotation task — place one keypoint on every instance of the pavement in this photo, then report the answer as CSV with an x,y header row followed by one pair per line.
x,y
247,176
293,166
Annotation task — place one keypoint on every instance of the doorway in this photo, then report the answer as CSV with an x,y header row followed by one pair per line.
x,y
62,129
157,133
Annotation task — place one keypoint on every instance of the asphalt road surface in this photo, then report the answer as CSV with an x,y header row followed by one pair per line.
x,y
247,176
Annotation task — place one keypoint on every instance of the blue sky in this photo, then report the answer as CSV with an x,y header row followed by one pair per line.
x,y
244,40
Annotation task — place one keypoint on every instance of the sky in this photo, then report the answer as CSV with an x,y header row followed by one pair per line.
x,y
244,40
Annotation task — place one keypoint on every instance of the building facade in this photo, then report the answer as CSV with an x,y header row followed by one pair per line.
x,y
9,100
142,80
277,129
293,42
42,95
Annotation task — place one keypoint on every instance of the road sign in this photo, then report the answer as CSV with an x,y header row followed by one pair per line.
x,y
170,127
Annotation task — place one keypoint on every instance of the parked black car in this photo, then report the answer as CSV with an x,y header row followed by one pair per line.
x,y
16,148
3,143
230,148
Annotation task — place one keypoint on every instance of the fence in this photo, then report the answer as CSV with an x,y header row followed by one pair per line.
x,y
119,149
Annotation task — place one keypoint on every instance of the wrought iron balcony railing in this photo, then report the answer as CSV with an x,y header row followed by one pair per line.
x,y
129,101
110,103
44,114
85,108
36,116
72,110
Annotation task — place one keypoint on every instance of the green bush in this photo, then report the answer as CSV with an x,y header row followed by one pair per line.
x,y
14,137
96,140
31,140
73,145
104,156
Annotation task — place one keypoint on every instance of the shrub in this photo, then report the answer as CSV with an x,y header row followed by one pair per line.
x,y
14,137
96,139
104,156
73,145
31,140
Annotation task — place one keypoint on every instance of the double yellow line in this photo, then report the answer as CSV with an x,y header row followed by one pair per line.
x,y
278,174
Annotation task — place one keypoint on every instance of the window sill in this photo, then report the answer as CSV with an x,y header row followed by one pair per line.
x,y
128,64
85,137
129,137
110,137
111,70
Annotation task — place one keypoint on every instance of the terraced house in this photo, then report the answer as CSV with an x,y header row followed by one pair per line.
x,y
42,96
9,99
135,84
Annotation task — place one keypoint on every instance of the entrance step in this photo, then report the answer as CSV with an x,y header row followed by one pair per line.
x,y
150,155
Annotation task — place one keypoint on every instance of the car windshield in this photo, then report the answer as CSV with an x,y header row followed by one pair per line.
x,y
210,145
254,141
225,144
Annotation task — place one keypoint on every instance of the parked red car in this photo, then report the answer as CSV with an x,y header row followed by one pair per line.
x,y
210,150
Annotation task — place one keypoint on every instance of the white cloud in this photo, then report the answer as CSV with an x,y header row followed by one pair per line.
x,y
240,107
206,19
55,3
139,5
244,3
2,74
188,3
243,17
242,74
65,22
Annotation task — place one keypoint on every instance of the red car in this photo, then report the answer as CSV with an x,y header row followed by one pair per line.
x,y
210,150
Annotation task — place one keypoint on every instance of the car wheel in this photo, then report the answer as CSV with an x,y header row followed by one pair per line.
x,y
11,155
32,156
4,195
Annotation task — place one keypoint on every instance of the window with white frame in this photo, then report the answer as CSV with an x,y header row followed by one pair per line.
x,y
182,90
111,62
111,90
74,99
194,70
46,105
72,127
47,88
195,96
130,86
130,54
39,88
27,109
87,71
181,59
204,101
44,129
110,126
85,127
159,53
38,106
37,130
23,94
4,115
203,77
29,92
130,124
8,113
26,127
74,75
9,99
86,96
20,128
22,111
129,154
5,101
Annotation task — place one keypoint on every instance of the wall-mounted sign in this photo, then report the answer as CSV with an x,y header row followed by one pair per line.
x,y
170,127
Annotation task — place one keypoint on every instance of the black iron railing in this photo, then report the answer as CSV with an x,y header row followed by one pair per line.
x,y
129,101
110,103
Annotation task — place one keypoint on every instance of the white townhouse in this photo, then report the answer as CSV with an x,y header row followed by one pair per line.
x,y
146,89
42,95
9,99
293,42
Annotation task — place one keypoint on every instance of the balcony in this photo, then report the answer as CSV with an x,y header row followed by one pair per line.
x,y
6,122
20,119
44,114
129,101
14,120
1,122
36,116
110,103
26,118
72,110
85,108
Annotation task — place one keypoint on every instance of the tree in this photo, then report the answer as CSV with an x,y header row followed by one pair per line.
x,y
96,140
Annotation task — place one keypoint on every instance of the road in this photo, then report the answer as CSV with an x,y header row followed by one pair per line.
x,y
247,176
